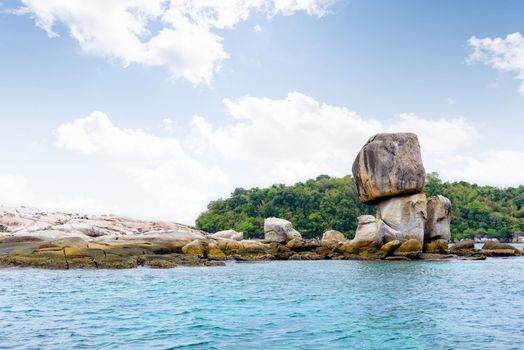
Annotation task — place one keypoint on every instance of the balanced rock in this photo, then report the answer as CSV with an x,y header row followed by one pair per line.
x,y
279,230
333,235
438,219
389,165
402,218
229,234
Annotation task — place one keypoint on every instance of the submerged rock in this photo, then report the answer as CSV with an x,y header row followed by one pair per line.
x,y
279,230
389,165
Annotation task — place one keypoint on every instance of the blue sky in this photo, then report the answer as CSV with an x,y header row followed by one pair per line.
x,y
105,117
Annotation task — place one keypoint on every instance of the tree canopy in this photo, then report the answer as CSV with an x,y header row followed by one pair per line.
x,y
328,203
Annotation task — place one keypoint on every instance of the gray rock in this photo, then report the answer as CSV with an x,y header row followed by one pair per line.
x,y
464,244
333,235
367,230
229,234
279,230
389,165
439,219
28,222
402,218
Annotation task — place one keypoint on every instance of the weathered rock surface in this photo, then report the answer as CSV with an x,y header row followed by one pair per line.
x,y
438,222
389,248
409,246
334,235
437,246
389,165
229,234
402,218
28,222
466,244
495,248
279,230
367,229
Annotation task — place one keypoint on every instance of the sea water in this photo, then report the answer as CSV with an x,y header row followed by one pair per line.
x,y
273,305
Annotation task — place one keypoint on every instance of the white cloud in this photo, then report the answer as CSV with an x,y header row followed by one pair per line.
x,y
438,136
502,54
257,28
265,141
185,43
178,183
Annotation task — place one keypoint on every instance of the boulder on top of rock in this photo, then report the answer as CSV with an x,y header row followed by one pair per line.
x,y
279,230
402,218
389,165
334,235
438,219
229,234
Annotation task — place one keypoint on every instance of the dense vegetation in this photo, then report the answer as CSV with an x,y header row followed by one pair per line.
x,y
331,203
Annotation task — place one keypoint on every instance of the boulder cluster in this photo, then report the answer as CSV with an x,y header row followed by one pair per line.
x,y
389,173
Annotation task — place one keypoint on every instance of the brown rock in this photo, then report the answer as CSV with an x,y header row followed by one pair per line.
x,y
389,165
438,246
465,244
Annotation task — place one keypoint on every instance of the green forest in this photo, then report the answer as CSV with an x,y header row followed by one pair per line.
x,y
328,203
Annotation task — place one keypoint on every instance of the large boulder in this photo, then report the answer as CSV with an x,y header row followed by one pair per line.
x,y
438,219
402,218
333,236
279,230
389,165
229,234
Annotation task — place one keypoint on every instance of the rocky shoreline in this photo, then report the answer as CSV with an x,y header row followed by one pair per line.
x,y
31,238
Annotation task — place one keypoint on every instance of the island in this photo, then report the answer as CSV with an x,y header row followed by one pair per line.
x,y
388,173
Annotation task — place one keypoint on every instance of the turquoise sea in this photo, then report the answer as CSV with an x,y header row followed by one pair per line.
x,y
272,305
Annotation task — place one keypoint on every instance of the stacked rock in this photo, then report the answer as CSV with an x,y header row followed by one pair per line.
x,y
389,173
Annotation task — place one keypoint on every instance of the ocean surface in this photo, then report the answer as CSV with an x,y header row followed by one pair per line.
x,y
272,305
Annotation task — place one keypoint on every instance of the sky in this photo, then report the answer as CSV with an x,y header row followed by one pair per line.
x,y
153,108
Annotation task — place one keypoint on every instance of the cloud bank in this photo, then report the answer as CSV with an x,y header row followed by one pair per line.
x,y
179,35
268,141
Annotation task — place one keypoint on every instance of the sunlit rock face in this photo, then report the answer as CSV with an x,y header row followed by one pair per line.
x,y
439,219
29,222
389,165
402,218
279,230
367,229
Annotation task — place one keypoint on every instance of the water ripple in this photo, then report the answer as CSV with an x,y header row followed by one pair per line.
x,y
277,305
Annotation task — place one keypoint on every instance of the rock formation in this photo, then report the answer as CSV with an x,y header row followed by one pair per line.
x,y
389,173
229,234
334,236
389,165
279,230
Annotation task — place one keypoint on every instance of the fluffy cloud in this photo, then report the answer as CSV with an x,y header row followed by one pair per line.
x,y
185,43
177,182
265,141
502,54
